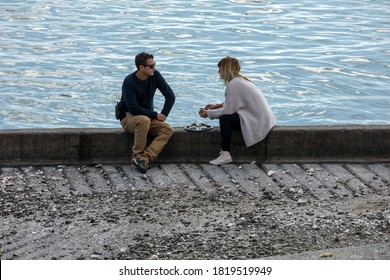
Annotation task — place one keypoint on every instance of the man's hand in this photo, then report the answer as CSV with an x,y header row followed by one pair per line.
x,y
161,117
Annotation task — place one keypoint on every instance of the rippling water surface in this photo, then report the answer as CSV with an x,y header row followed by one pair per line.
x,y
321,62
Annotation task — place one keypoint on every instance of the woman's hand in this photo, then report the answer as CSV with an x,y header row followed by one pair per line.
x,y
203,113
213,106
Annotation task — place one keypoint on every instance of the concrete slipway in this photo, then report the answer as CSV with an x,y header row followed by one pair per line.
x,y
302,193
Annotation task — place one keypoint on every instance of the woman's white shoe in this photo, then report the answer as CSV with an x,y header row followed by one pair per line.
x,y
223,158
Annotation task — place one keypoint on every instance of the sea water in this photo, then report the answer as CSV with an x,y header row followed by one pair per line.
x,y
323,62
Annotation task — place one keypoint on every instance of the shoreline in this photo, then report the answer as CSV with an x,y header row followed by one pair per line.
x,y
67,196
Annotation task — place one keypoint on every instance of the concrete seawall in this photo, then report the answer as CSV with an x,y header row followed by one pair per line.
x,y
356,143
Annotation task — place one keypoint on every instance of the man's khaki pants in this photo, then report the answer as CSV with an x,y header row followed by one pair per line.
x,y
141,126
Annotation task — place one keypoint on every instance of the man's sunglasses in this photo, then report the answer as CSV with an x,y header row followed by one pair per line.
x,y
150,65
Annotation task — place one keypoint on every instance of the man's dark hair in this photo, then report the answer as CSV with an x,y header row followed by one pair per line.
x,y
141,58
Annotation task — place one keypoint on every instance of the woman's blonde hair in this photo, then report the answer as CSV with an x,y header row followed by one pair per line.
x,y
229,68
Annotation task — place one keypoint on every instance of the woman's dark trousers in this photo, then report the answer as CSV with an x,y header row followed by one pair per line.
x,y
227,124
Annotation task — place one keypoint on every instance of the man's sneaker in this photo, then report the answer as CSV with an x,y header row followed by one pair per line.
x,y
223,158
141,165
